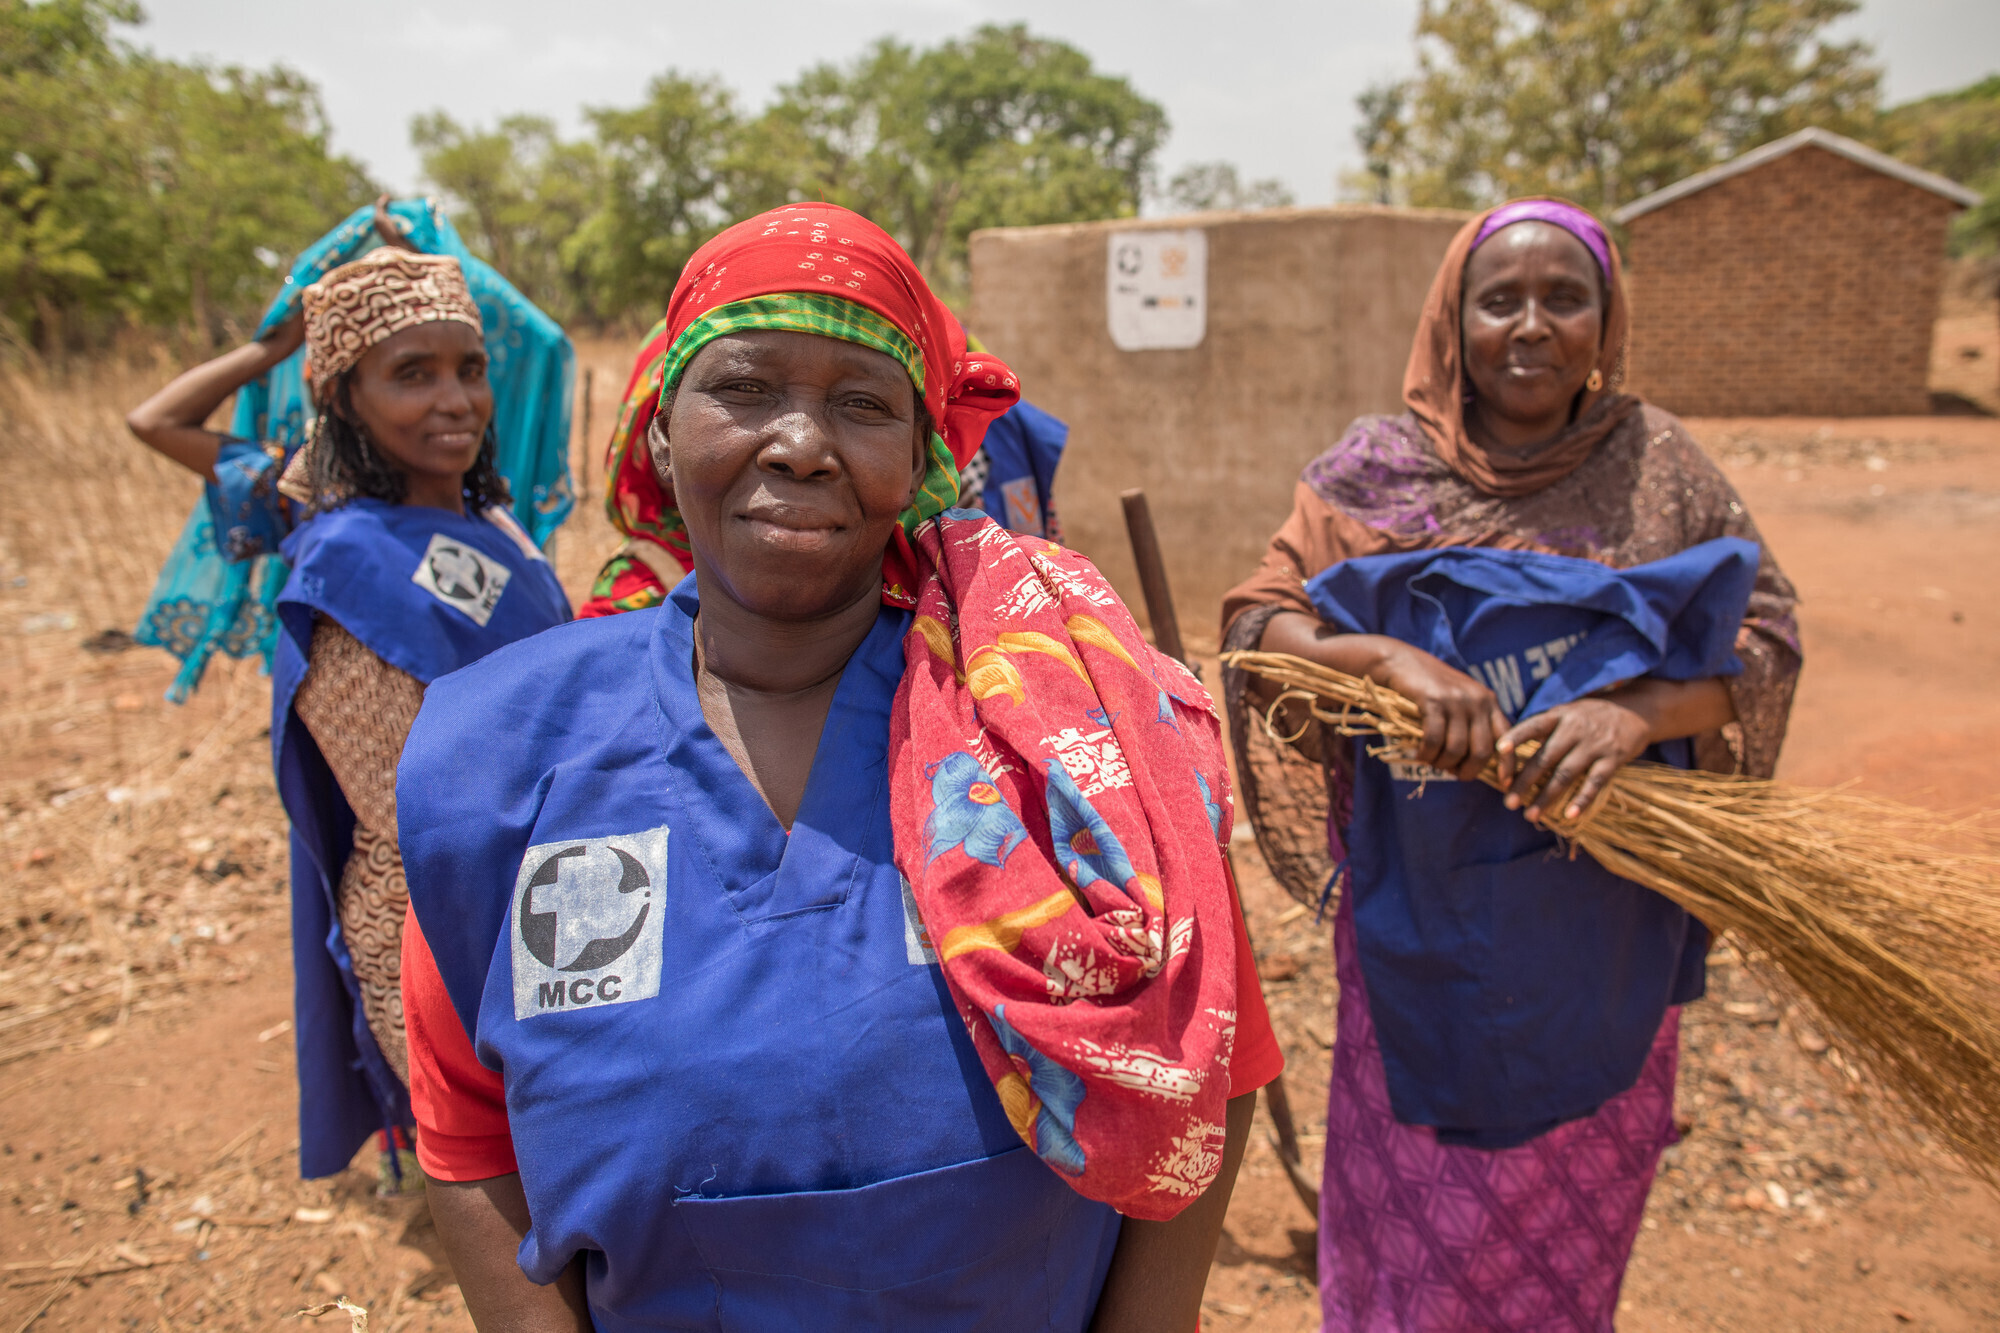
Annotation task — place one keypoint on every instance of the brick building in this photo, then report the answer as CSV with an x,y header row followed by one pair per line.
x,y
1799,279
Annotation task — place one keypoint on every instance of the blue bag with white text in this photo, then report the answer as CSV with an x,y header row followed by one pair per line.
x,y
1514,986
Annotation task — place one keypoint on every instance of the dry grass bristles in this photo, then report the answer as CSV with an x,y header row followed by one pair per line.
x,y
1884,918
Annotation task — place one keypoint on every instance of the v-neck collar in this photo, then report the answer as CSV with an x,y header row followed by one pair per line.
x,y
763,871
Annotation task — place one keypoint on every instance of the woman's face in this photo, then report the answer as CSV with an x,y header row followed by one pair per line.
x,y
791,456
424,399
1533,323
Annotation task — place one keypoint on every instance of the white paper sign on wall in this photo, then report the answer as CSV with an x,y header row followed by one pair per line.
x,y
1156,289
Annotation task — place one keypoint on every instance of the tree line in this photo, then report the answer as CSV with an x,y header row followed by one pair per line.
x,y
999,128
143,193
1605,101
139,192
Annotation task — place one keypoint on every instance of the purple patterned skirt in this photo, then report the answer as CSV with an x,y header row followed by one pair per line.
x,y
1415,1237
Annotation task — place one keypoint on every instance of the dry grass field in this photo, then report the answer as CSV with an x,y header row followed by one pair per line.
x,y
147,1148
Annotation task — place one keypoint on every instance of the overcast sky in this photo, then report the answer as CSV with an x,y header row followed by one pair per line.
x,y
1269,85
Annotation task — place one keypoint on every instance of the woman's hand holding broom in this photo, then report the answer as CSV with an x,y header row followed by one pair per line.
x,y
1883,918
1462,722
1575,748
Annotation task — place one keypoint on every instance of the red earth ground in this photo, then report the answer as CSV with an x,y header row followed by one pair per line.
x,y
147,1149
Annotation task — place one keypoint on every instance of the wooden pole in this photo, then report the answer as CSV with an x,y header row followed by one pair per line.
x,y
1152,575
583,471
1167,638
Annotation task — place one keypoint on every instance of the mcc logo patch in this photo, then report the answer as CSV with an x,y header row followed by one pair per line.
x,y
588,919
462,577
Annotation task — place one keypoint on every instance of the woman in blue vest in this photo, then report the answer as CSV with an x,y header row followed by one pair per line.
x,y
1538,560
845,942
407,566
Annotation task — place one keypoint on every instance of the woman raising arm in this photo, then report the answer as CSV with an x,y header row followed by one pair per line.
x,y
405,566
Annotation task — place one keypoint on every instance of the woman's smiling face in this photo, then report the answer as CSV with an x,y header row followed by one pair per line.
x,y
791,457
424,400
1533,322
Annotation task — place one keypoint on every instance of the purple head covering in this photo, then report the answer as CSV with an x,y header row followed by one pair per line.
x,y
1567,216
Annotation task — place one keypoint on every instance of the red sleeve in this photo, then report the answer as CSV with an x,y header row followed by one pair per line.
x,y
626,583
1257,1058
460,1105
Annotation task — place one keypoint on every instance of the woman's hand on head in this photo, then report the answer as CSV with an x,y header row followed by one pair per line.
x,y
172,420
1461,718
285,339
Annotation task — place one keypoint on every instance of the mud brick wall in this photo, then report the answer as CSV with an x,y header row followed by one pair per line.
x,y
1310,317
1808,286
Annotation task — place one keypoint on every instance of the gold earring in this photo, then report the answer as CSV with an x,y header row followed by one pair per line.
x,y
1595,382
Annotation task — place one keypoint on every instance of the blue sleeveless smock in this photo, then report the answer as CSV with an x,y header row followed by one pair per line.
x,y
427,591
736,1082
1515,988
1023,449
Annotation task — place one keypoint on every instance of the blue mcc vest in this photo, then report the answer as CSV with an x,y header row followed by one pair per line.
x,y
1514,987
427,591
736,1082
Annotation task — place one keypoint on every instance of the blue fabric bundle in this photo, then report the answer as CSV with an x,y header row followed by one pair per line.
x,y
1515,987
1023,449
219,585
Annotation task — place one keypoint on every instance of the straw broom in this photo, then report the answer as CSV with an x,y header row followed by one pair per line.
x,y
1877,915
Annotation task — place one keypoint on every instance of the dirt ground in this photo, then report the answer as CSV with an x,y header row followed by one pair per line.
x,y
147,1141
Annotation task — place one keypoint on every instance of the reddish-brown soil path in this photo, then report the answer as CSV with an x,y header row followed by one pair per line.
x,y
147,1149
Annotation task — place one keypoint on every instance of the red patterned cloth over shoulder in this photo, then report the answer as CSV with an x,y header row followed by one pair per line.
x,y
1061,802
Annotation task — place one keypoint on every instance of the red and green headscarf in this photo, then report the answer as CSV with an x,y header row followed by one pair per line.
x,y
804,268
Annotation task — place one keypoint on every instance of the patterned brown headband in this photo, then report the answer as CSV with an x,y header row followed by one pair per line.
x,y
383,292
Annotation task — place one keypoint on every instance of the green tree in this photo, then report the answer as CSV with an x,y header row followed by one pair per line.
x,y
1606,100
1956,134
1001,128
1204,186
219,212
663,174
67,175
1381,136
520,192
139,190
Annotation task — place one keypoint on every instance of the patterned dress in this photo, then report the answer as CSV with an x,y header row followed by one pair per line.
x,y
359,710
